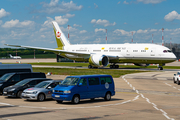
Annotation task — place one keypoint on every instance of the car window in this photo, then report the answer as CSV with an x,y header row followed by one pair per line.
x,y
38,75
105,80
15,78
32,83
83,81
93,81
24,76
53,85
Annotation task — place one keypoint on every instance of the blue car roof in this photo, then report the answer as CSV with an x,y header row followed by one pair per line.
x,y
100,75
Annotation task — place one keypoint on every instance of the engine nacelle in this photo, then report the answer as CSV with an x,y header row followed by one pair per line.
x,y
97,60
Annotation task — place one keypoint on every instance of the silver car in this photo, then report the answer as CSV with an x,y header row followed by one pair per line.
x,y
41,91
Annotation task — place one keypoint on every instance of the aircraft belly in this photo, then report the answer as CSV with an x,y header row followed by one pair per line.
x,y
142,60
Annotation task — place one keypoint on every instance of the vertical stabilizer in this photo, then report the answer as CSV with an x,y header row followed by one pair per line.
x,y
59,35
10,55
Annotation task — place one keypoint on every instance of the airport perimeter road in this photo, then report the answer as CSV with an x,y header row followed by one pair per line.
x,y
150,96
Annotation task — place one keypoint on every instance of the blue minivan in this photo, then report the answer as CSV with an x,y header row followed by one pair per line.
x,y
74,88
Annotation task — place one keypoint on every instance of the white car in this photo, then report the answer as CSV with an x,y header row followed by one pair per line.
x,y
176,78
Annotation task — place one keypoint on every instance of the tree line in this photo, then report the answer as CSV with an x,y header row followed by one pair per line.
x,y
4,52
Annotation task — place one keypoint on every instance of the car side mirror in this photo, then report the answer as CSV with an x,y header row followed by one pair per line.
x,y
80,84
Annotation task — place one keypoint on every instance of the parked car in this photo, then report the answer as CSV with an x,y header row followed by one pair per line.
x,y
74,88
9,79
17,89
41,91
9,68
176,78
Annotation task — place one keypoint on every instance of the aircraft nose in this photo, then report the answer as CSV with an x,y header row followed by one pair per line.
x,y
173,56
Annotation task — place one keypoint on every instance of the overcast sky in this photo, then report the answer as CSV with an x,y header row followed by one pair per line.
x,y
28,22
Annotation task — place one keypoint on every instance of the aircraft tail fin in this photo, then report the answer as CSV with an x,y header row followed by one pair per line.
x,y
59,35
10,55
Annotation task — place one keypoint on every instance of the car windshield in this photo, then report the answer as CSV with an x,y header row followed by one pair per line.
x,y
22,83
6,77
42,85
70,81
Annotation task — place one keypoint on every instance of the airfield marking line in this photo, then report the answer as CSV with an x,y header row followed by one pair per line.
x,y
172,86
6,104
154,105
65,108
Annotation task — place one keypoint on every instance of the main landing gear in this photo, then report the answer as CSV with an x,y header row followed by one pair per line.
x,y
114,66
90,67
160,68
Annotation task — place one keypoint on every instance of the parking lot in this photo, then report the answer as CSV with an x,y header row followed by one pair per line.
x,y
151,95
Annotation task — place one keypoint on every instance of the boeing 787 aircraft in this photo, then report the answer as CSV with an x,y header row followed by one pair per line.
x,y
100,55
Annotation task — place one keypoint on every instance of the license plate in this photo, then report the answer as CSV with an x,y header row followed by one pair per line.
x,y
57,96
5,92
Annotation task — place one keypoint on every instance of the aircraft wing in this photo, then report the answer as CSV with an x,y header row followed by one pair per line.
x,y
53,50
80,54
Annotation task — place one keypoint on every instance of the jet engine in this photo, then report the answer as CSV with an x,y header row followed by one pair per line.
x,y
97,60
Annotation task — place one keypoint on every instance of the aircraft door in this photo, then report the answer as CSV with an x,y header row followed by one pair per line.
x,y
153,50
128,50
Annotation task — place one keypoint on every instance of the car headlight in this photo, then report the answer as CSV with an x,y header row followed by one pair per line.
x,y
12,89
34,92
67,91
53,90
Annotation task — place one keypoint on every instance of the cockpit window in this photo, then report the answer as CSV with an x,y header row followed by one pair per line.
x,y
166,51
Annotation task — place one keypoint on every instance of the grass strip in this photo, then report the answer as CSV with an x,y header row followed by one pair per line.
x,y
71,72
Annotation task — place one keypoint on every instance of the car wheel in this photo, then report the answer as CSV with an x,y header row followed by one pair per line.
x,y
92,99
178,82
41,97
174,80
59,101
19,94
76,99
107,96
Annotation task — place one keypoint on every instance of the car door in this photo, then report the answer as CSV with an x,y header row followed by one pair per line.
x,y
50,88
83,88
14,79
32,83
94,87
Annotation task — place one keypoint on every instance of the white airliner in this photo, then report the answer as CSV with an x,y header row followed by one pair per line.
x,y
14,57
100,55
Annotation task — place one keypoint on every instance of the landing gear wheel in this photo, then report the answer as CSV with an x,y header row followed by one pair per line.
x,y
117,66
160,68
59,101
111,66
107,96
41,97
114,66
89,66
76,99
19,94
